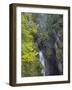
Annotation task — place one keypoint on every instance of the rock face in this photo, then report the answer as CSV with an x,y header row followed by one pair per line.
x,y
49,38
52,65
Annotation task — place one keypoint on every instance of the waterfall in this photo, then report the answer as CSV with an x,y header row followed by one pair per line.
x,y
42,60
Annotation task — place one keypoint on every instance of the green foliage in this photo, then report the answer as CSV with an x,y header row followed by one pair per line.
x,y
28,30
31,68
29,51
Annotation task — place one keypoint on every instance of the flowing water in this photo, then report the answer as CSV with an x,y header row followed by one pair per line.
x,y
42,60
49,68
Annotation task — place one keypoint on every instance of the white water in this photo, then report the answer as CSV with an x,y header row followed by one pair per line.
x,y
42,60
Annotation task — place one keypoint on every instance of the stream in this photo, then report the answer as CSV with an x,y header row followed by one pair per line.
x,y
42,61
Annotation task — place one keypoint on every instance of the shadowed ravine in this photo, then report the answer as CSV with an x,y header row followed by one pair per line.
x,y
48,42
50,67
